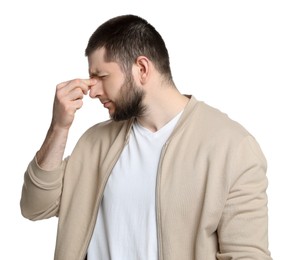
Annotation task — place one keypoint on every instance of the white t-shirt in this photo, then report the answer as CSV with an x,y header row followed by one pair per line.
x,y
126,223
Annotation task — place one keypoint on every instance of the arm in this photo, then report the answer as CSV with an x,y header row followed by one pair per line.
x,y
243,229
68,100
43,179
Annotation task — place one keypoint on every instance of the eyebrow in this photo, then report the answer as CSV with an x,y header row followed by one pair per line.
x,y
96,74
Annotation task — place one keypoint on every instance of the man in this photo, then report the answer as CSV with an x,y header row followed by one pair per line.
x,y
168,177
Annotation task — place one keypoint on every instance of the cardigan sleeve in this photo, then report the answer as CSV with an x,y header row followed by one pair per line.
x,y
41,191
243,229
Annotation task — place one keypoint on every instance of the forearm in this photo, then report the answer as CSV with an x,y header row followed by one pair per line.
x,y
51,153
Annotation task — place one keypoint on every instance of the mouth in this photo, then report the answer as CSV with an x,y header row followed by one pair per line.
x,y
106,103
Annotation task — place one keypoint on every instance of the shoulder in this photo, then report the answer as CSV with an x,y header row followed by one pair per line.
x,y
208,126
218,123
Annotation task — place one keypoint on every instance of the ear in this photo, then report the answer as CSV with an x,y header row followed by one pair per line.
x,y
142,67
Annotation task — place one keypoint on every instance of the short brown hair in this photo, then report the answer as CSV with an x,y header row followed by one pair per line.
x,y
127,37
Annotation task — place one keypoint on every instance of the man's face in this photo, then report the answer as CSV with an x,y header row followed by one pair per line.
x,y
117,91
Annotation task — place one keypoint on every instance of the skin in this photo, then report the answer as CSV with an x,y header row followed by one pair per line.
x,y
68,99
117,91
107,82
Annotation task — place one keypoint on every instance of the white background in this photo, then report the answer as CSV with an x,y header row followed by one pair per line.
x,y
230,54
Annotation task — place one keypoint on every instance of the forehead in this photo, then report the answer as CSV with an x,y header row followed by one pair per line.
x,y
97,63
96,56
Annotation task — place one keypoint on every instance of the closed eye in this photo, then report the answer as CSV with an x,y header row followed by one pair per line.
x,y
95,76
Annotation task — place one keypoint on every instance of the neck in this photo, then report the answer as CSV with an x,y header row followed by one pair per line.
x,y
162,106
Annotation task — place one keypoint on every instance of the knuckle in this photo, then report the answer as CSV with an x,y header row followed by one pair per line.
x,y
80,103
59,94
78,93
59,86
77,82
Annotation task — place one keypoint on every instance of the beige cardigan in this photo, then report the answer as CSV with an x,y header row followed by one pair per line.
x,y
210,197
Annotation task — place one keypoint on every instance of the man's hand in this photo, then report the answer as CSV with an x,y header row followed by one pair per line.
x,y
68,99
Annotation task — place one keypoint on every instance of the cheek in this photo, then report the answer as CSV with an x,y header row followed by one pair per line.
x,y
112,89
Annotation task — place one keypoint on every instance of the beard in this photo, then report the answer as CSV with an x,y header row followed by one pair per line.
x,y
129,104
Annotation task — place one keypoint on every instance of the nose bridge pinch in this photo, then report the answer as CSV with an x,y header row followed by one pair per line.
x,y
95,90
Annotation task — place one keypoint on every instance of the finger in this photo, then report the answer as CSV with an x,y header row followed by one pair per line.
x,y
77,104
75,94
90,82
84,84
63,84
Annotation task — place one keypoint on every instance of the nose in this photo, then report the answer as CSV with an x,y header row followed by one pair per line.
x,y
96,90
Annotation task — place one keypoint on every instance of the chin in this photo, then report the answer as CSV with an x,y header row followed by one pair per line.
x,y
111,113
